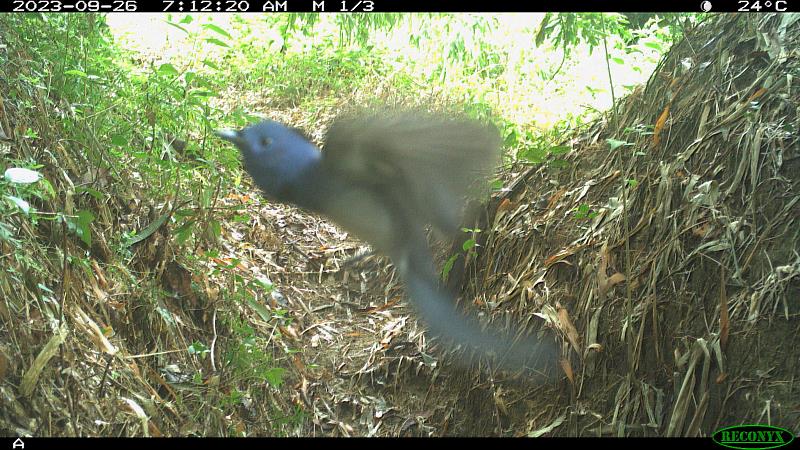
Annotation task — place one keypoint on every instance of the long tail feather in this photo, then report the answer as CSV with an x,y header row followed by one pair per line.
x,y
437,308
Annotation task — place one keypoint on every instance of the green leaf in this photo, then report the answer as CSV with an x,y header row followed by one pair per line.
x,y
184,232
496,185
118,140
260,310
147,231
198,348
274,376
468,245
448,266
584,212
201,93
217,29
178,26
264,284
185,212
614,144
75,72
48,187
211,64
91,191
6,234
85,217
511,137
217,42
167,70
543,28
532,154
654,46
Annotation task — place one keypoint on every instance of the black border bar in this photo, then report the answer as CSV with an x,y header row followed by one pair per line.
x,y
344,443
378,6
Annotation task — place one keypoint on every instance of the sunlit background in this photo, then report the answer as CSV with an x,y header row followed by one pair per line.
x,y
532,84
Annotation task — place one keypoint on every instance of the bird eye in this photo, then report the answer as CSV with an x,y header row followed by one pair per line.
x,y
266,142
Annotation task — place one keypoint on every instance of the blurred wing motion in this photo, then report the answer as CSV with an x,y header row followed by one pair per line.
x,y
433,162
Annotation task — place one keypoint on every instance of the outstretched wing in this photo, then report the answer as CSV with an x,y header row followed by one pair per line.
x,y
431,161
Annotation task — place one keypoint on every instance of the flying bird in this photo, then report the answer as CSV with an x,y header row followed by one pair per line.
x,y
384,176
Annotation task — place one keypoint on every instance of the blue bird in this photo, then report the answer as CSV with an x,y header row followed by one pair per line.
x,y
384,176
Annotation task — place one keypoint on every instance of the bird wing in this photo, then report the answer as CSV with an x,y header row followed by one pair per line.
x,y
431,161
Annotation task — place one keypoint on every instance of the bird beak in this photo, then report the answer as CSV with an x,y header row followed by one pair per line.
x,y
229,135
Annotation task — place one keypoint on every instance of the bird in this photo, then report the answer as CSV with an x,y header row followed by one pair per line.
x,y
384,176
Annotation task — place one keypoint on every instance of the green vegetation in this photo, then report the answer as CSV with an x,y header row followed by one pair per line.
x,y
127,176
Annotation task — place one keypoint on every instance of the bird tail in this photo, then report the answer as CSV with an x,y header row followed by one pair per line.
x,y
437,308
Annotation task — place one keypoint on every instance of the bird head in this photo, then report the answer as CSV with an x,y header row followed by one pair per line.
x,y
274,154
262,139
